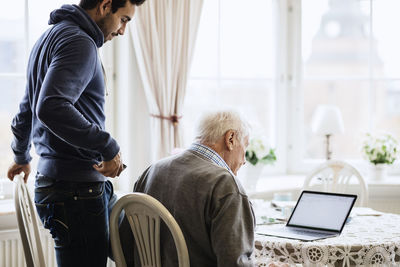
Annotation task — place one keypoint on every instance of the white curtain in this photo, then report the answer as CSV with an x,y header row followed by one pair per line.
x,y
164,38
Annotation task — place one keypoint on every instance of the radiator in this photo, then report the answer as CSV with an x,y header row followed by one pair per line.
x,y
12,253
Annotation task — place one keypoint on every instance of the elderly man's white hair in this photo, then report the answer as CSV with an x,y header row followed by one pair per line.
x,y
213,125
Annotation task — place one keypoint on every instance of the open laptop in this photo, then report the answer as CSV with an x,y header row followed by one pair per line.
x,y
317,215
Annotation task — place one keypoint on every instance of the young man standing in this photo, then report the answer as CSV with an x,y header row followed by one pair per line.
x,y
62,113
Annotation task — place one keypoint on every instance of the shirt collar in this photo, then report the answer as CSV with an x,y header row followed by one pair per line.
x,y
209,154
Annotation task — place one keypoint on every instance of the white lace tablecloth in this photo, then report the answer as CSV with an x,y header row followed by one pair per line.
x,y
365,241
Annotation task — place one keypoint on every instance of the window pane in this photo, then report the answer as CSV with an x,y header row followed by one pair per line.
x,y
233,64
335,38
337,54
247,43
11,94
342,62
387,107
252,98
39,16
12,44
205,57
356,105
353,100
386,15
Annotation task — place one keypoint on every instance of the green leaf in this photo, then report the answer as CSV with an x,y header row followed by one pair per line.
x,y
251,157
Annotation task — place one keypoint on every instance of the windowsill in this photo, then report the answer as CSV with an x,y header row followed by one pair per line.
x,y
267,185
7,215
7,207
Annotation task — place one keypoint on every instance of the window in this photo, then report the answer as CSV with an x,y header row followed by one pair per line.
x,y
277,60
349,59
233,64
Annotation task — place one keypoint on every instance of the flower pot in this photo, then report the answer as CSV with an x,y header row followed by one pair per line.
x,y
250,176
378,172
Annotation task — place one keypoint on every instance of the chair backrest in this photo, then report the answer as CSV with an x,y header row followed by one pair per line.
x,y
337,176
28,224
144,213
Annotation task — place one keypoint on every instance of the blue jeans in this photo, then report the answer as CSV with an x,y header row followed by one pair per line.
x,y
77,215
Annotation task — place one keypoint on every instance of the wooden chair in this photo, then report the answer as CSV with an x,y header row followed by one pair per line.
x,y
144,214
28,224
339,177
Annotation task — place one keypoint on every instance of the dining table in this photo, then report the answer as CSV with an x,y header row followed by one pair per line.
x,y
369,238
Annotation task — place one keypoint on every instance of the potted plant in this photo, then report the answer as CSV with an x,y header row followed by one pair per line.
x,y
258,154
380,151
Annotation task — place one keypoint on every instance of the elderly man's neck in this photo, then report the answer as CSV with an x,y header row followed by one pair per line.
x,y
218,147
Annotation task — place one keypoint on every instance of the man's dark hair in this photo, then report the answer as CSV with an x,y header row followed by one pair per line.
x,y
89,4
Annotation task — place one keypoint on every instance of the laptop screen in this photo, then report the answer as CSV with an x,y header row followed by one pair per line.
x,y
320,210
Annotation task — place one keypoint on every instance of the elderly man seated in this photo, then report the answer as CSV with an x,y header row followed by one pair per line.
x,y
200,189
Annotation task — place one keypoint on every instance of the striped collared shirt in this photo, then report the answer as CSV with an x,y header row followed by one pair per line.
x,y
209,154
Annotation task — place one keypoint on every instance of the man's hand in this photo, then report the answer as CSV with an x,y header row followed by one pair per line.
x,y
110,168
15,169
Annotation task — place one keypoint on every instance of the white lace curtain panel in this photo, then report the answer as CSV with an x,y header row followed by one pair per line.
x,y
163,39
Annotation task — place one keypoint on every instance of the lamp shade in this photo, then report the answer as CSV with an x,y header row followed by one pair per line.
x,y
327,120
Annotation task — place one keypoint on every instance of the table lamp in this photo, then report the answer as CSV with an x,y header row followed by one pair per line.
x,y
327,120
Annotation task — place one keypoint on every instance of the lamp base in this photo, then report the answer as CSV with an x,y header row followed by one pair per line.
x,y
328,147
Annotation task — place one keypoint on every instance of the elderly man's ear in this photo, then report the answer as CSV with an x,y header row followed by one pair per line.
x,y
230,139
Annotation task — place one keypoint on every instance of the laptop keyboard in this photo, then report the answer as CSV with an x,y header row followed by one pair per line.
x,y
306,232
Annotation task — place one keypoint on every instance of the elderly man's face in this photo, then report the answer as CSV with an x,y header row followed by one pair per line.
x,y
238,154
